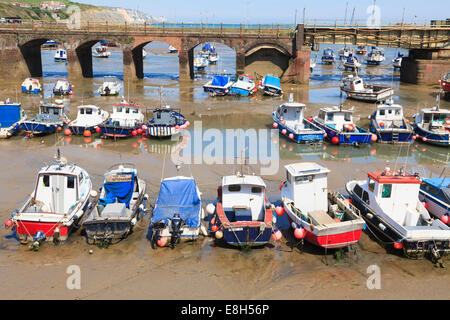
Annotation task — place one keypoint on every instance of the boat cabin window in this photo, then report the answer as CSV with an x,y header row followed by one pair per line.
x,y
46,180
70,182
382,112
426,117
127,110
256,189
347,116
358,81
119,109
80,177
387,189
358,190
234,188
330,116
365,197
429,188
288,177
371,184
284,110
81,111
89,111
136,111
304,179
322,115
158,115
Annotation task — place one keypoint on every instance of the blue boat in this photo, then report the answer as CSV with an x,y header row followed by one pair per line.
x,y
218,86
289,120
432,125
244,86
339,127
178,213
271,86
328,56
390,125
165,123
352,62
125,121
435,192
48,120
11,116
31,85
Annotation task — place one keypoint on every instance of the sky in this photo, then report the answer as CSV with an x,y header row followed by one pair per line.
x,y
281,11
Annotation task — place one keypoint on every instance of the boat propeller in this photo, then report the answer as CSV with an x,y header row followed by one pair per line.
x,y
177,224
39,237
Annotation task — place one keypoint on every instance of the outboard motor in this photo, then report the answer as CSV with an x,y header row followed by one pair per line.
x,y
176,232
107,91
156,232
39,237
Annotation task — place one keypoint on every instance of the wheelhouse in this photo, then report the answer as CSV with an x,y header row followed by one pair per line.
x,y
336,118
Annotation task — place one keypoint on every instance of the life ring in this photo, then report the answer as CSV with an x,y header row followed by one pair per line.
x,y
447,121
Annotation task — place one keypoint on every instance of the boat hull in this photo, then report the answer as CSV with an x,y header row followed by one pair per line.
x,y
393,136
347,138
117,132
300,138
26,230
369,96
436,207
36,128
240,92
26,90
442,140
161,131
246,236
79,130
272,91
215,91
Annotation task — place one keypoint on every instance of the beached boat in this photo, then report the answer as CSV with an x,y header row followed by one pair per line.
x,y
11,116
328,56
323,218
271,86
289,120
352,63
445,84
243,215
117,209
397,61
200,63
213,58
361,50
178,213
110,86
60,55
389,203
375,56
312,65
172,49
244,86
340,128
51,116
345,52
31,85
432,125
89,118
390,125
435,194
218,86
166,122
60,199
125,121
101,52
62,87
355,88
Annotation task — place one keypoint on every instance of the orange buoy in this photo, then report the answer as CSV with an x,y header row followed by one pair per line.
x,y
299,233
215,228
87,140
414,137
382,124
67,132
59,129
162,241
374,137
87,133
275,125
219,234
279,211
8,223
336,220
335,140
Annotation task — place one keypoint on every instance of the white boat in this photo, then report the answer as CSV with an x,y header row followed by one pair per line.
x,y
397,61
101,52
218,86
172,49
60,199
125,121
62,87
312,65
60,55
110,87
389,203
244,86
355,88
213,58
89,118
11,116
432,125
345,52
200,63
435,193
144,53
375,56
31,85
352,63
323,218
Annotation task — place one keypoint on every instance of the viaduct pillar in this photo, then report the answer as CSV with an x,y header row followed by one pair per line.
x,y
425,66
298,70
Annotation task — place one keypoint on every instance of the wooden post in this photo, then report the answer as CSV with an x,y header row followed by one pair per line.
x,y
182,28
278,30
240,29
107,26
201,28
164,26
259,30
221,28
145,27
125,27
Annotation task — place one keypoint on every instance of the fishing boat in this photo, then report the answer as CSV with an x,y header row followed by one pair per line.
x,y
89,118
244,86
118,207
218,86
340,128
60,199
31,85
445,84
213,57
352,63
60,55
51,116
243,215
434,193
172,49
62,87
390,125
200,63
289,120
125,121
389,203
432,125
355,88
49,44
312,65
325,219
101,52
328,56
397,61
110,86
375,56
166,122
271,86
361,50
345,52
178,214
11,116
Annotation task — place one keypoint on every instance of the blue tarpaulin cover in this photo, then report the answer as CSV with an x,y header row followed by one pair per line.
x,y
119,191
219,81
178,196
9,114
272,81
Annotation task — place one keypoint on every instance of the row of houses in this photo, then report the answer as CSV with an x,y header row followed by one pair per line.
x,y
44,5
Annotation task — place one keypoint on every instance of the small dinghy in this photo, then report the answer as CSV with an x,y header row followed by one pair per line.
x,y
110,87
432,125
323,218
125,120
243,215
352,63
89,118
101,52
340,128
361,50
11,117
200,63
328,56
178,213
172,49
61,198
51,116
117,208
345,52
435,194
356,89
60,55
213,58
244,86
390,125
62,88
389,203
218,86
375,56
397,61
166,122
271,86
31,85
289,120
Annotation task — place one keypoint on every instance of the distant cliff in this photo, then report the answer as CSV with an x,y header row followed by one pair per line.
x,y
117,16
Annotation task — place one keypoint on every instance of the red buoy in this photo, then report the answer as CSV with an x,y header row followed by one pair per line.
x,y
398,245
144,127
299,233
325,135
214,228
445,219
177,127
134,132
67,132
275,125
139,131
414,137
291,136
284,131
424,139
162,241
374,137
310,119
98,129
382,124
335,140
87,133
279,211
8,223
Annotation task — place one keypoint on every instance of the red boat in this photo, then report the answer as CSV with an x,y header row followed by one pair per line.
x,y
323,218
445,84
